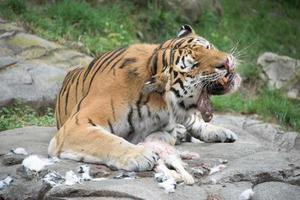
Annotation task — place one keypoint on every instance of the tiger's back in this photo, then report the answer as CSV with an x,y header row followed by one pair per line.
x,y
109,69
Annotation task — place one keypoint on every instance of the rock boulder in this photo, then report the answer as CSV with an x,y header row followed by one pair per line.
x,y
281,72
32,68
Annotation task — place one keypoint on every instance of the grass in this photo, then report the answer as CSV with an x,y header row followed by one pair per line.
x,y
269,104
253,27
17,116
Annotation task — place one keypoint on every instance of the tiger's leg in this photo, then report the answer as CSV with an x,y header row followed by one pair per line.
x,y
94,144
171,134
208,132
162,143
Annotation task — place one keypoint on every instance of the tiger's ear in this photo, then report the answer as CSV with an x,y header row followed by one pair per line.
x,y
185,30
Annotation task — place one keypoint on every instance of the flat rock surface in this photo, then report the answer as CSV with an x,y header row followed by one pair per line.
x,y
32,68
264,158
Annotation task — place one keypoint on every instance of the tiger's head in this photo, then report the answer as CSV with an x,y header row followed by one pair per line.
x,y
193,66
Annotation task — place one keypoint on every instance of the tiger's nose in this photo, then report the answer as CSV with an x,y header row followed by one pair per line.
x,y
230,63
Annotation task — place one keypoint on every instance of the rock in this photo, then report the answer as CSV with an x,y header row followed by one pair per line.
x,y
276,190
12,159
31,68
190,9
25,190
281,72
264,153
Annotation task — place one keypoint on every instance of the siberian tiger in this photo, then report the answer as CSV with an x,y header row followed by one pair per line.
x,y
103,111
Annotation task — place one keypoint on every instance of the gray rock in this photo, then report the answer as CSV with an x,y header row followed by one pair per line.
x,y
31,68
12,159
260,156
281,72
276,191
25,190
228,191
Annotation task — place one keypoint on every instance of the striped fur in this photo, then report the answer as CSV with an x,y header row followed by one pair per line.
x,y
102,109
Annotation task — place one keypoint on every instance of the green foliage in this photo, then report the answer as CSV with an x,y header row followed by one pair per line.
x,y
16,6
17,116
99,28
270,104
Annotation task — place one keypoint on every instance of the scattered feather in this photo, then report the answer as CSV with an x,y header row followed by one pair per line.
x,y
213,180
5,182
197,171
54,179
160,177
169,185
246,195
71,178
223,161
19,151
99,179
85,171
216,169
125,175
36,163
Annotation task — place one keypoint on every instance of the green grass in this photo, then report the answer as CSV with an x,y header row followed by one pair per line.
x,y
269,104
253,27
17,116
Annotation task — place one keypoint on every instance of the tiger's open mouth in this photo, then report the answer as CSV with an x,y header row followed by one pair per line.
x,y
230,82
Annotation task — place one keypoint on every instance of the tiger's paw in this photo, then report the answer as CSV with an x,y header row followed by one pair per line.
x,y
138,158
212,133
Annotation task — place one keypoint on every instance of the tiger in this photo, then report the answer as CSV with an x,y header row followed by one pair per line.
x,y
103,111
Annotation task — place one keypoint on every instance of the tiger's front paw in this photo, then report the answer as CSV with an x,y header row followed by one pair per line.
x,y
212,133
138,158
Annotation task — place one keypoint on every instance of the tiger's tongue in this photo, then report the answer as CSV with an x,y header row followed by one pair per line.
x,y
204,106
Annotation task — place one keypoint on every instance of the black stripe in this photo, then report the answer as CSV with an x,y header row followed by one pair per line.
x,y
127,62
139,106
181,104
164,61
171,42
191,106
87,71
180,42
183,59
129,120
58,109
112,57
91,81
66,100
76,120
148,109
77,82
110,127
91,122
162,44
100,59
98,65
176,92
172,56
177,60
175,74
154,64
180,83
190,40
65,84
113,66
113,108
